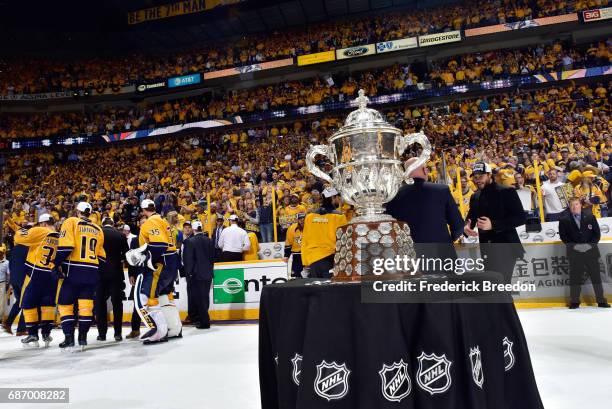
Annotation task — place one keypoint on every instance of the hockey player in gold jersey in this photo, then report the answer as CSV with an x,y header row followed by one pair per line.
x,y
40,284
319,237
155,286
79,254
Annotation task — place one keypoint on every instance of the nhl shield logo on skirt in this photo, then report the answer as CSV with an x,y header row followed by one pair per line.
x,y
434,375
508,354
332,380
297,368
476,362
396,383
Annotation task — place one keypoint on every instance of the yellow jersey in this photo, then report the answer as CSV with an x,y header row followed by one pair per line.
x,y
251,254
294,238
319,236
80,249
42,245
157,233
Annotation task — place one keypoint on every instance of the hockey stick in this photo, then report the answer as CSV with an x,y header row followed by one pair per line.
x,y
140,309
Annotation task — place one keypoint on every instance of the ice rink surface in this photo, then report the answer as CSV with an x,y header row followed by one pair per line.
x,y
217,369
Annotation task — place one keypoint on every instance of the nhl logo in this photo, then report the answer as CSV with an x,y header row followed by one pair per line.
x,y
396,383
297,368
476,361
433,375
508,354
332,380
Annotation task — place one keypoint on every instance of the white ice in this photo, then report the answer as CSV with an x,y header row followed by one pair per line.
x,y
571,353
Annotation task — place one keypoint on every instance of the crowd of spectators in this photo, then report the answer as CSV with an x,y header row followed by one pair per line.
x,y
31,75
566,129
469,68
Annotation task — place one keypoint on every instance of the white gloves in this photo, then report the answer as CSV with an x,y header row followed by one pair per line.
x,y
139,257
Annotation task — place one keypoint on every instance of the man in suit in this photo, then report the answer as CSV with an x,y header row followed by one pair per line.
x,y
496,211
198,263
217,230
111,282
579,231
431,213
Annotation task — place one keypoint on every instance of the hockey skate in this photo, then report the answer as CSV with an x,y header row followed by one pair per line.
x,y
31,341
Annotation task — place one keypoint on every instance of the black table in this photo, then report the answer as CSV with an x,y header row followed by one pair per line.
x,y
321,347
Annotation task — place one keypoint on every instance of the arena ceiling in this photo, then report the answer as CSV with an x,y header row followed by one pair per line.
x,y
76,26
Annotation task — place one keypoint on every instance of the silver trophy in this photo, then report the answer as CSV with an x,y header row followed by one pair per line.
x,y
368,171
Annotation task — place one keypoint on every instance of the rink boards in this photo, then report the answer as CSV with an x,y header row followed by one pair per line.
x,y
237,286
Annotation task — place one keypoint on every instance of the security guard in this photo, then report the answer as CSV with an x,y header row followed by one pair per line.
x,y
497,211
580,232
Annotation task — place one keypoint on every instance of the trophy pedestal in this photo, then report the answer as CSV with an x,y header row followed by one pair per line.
x,y
363,246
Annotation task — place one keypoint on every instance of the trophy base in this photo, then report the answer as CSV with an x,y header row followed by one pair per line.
x,y
363,249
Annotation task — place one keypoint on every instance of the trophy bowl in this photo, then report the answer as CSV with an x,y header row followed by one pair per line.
x,y
368,171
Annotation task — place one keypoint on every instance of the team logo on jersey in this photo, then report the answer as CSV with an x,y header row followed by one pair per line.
x,y
331,382
476,362
297,368
508,354
396,383
433,375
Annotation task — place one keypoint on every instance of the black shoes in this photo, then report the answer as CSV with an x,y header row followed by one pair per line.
x,y
68,341
101,337
603,305
83,340
574,306
118,337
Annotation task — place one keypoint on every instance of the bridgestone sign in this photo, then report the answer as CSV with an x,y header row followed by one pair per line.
x,y
440,38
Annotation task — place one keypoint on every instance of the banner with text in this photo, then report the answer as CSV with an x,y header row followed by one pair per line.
x,y
397,45
357,51
35,97
597,15
150,86
440,38
316,58
184,80
180,8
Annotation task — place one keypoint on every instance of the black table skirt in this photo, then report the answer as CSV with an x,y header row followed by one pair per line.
x,y
348,354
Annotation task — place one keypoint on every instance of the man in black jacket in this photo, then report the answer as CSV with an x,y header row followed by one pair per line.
x,y
497,211
198,264
431,213
111,281
579,231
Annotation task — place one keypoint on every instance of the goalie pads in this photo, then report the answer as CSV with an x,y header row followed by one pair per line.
x,y
152,317
172,316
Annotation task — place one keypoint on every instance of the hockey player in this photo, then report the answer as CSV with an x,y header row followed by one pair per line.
x,y
293,246
79,255
40,284
155,287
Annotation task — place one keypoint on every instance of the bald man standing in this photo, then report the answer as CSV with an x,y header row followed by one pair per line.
x,y
431,213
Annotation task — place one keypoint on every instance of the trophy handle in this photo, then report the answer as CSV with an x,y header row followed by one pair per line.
x,y
314,169
405,142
